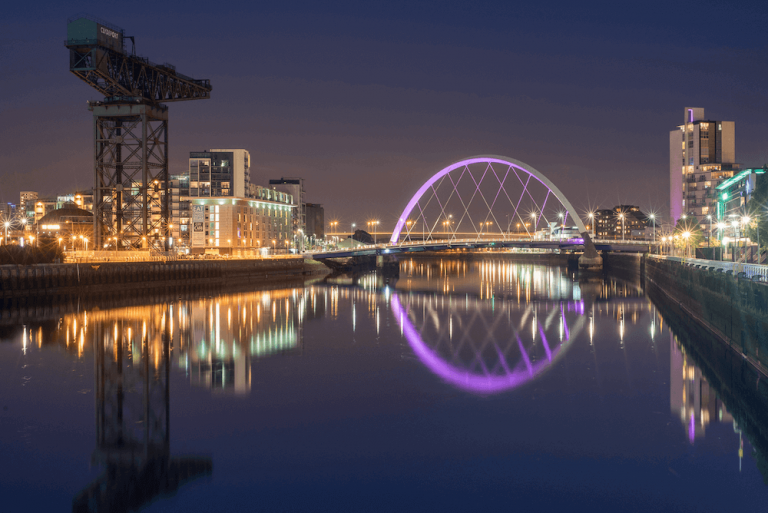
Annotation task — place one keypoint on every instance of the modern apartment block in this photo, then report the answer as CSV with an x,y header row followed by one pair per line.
x,y
216,173
625,222
294,187
242,226
702,154
315,226
180,213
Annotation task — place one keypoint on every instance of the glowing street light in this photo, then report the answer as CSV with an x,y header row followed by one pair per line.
x,y
621,216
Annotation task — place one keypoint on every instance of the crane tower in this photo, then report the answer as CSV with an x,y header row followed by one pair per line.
x,y
130,132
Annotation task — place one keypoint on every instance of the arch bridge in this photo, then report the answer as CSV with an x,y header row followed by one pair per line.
x,y
490,201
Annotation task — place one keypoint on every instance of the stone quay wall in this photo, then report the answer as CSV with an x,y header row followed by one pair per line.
x,y
61,279
734,309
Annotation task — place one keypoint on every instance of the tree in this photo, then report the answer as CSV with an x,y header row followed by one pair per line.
x,y
688,233
757,210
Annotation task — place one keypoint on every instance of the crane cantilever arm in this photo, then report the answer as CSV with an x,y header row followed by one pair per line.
x,y
114,73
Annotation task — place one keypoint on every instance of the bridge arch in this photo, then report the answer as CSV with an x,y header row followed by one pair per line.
x,y
520,170
506,374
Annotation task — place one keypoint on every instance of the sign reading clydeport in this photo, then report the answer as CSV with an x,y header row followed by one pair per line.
x,y
86,31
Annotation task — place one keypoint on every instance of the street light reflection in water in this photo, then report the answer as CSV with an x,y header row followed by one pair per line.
x,y
482,330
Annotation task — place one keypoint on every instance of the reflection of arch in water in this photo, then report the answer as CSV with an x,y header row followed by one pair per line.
x,y
487,383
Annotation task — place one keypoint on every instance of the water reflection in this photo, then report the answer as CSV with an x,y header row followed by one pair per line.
x,y
486,327
220,336
132,365
690,395
497,347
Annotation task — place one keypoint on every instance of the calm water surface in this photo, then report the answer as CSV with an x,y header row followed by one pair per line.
x,y
459,386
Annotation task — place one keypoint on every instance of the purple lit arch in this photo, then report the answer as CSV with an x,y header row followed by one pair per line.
x,y
508,166
487,383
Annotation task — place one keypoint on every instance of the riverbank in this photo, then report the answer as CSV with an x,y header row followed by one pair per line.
x,y
732,308
56,280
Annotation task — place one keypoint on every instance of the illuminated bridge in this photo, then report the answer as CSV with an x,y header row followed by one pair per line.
x,y
490,202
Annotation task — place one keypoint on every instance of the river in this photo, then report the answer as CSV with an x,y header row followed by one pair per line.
x,y
462,384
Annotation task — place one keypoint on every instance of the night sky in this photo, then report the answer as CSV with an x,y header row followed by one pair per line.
x,y
366,101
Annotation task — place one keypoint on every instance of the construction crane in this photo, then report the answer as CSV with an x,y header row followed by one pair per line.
x,y
131,183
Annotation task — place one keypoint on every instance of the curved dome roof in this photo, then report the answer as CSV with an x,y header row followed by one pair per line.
x,y
68,212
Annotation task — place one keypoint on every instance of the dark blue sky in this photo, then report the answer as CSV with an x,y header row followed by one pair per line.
x,y
366,101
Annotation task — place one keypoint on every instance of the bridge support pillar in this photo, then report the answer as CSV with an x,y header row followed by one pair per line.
x,y
591,259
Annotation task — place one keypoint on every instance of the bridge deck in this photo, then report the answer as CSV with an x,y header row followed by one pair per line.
x,y
416,247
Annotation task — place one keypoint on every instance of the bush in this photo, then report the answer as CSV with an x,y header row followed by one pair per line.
x,y
12,254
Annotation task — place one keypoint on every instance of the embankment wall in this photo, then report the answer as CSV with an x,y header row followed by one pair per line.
x,y
67,279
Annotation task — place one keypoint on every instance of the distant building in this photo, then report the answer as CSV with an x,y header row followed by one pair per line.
x,y
84,200
626,222
43,206
702,154
27,204
66,223
7,211
217,173
294,187
315,226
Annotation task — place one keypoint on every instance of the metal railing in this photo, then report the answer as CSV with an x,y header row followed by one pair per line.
x,y
750,270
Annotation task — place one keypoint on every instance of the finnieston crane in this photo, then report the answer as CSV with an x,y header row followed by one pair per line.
x,y
131,186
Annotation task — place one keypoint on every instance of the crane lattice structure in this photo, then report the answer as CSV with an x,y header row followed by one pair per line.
x,y
131,183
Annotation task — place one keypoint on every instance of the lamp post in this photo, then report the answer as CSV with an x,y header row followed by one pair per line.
x,y
535,223
721,226
653,219
621,216
562,224
591,216
686,236
7,224
745,221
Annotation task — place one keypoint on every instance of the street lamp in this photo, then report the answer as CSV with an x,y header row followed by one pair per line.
x,y
721,226
591,216
745,221
686,235
621,216
535,223
653,218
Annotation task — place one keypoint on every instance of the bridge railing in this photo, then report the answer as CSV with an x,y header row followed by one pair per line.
x,y
750,270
